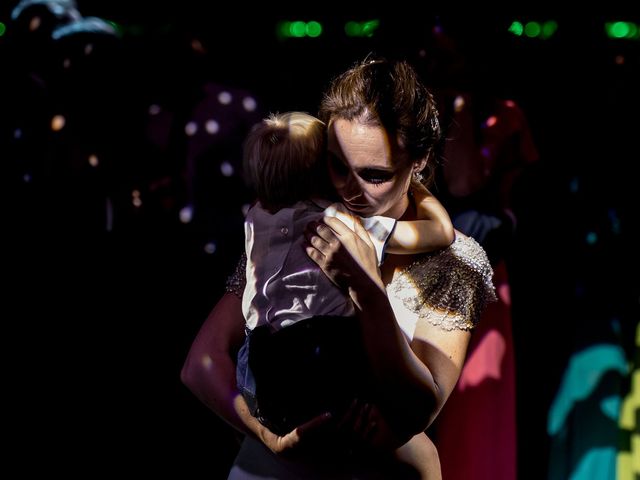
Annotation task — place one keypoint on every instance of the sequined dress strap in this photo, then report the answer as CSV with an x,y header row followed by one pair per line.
x,y
449,288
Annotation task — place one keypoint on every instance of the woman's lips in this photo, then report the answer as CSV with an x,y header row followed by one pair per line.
x,y
356,206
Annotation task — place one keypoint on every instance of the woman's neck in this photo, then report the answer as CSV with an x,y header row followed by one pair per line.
x,y
394,262
410,211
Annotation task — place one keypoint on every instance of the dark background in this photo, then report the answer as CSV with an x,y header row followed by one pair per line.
x,y
104,297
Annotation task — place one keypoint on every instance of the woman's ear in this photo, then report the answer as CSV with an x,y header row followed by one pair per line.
x,y
419,165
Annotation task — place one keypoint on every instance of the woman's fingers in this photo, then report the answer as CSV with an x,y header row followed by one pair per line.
x,y
312,425
288,443
319,236
348,419
333,231
360,424
338,226
325,232
362,232
362,420
344,256
347,235
324,242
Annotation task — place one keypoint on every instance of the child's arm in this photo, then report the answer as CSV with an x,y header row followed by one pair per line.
x,y
432,231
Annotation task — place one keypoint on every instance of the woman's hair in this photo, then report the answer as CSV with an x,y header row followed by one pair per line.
x,y
388,94
284,159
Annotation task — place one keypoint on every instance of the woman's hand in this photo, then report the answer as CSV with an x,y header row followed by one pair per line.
x,y
346,256
294,441
361,428
367,428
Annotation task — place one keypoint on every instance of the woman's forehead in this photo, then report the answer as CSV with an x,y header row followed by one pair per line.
x,y
362,145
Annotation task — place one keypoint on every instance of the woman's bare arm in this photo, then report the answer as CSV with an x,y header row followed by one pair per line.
x,y
210,373
413,395
444,351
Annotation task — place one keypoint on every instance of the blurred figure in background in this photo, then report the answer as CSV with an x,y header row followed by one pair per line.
x,y
488,145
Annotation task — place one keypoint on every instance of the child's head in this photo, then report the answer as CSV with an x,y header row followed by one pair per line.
x,y
284,159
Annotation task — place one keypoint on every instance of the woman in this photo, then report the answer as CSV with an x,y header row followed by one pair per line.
x,y
415,315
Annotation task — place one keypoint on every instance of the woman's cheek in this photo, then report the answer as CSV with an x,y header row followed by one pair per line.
x,y
380,192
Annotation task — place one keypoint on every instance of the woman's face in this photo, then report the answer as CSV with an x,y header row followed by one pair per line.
x,y
370,171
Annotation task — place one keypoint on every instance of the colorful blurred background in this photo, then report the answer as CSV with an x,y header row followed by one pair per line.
x,y
121,126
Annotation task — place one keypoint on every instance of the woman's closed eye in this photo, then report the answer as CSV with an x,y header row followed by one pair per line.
x,y
375,177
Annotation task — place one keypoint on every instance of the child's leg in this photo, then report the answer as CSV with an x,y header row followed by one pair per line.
x,y
421,454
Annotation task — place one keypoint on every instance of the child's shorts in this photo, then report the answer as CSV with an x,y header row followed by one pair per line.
x,y
292,375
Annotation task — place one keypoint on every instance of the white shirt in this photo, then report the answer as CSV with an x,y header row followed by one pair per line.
x,y
284,285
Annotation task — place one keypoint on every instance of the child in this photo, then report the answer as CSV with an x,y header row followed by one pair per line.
x,y
284,163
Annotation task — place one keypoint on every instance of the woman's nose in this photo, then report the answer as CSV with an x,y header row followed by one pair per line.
x,y
351,189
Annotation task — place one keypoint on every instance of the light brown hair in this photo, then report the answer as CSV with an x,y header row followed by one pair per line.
x,y
388,94
284,159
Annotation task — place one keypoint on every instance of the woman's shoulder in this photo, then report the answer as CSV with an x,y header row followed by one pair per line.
x,y
450,287
238,279
464,253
